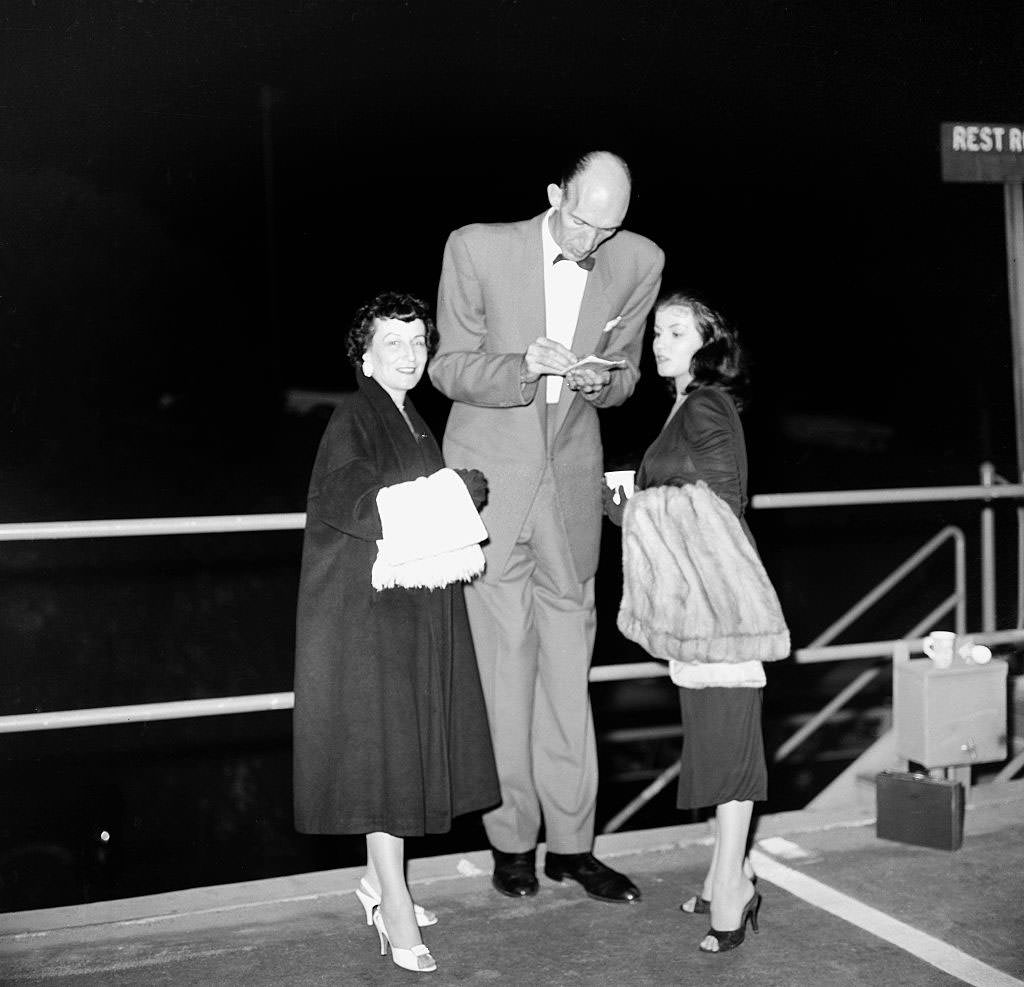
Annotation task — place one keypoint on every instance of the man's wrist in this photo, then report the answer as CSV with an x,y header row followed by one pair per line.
x,y
525,377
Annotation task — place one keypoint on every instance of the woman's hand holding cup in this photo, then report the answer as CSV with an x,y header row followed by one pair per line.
x,y
621,483
618,488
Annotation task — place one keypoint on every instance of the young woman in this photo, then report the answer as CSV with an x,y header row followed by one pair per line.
x,y
723,761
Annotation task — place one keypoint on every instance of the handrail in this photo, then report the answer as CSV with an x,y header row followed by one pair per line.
x,y
894,495
817,652
869,649
643,798
949,533
857,685
143,527
884,649
259,703
145,712
237,523
824,714
240,523
957,599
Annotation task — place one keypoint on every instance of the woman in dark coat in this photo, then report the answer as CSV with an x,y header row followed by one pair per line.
x,y
391,735
722,762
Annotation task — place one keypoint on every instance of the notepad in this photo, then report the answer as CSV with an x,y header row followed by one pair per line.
x,y
595,362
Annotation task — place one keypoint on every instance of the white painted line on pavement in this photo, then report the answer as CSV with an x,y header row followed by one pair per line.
x,y
934,951
786,849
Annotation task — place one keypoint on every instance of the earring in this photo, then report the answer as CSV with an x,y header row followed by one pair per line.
x,y
367,368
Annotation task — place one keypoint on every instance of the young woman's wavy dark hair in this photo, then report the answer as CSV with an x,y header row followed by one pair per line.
x,y
721,359
387,305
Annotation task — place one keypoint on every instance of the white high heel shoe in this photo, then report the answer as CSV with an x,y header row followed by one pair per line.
x,y
407,959
369,899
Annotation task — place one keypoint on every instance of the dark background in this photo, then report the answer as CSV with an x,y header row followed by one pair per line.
x,y
194,197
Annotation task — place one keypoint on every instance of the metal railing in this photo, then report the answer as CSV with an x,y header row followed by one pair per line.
x,y
957,599
995,487
259,703
991,488
840,652
217,524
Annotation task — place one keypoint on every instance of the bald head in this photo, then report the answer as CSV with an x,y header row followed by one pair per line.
x,y
590,205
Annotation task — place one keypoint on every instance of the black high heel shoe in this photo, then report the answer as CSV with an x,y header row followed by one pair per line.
x,y
701,905
734,937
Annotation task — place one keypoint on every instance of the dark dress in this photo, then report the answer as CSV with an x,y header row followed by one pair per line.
x,y
390,729
723,749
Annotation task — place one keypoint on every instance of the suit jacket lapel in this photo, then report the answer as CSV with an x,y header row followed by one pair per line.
x,y
530,298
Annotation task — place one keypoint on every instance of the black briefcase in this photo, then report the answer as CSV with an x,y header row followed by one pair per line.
x,y
913,808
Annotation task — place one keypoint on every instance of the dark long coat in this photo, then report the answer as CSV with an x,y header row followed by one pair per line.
x,y
390,729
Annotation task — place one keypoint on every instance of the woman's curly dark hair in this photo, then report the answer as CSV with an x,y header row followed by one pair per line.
x,y
721,360
387,305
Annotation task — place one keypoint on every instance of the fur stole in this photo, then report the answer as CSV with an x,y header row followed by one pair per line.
x,y
693,587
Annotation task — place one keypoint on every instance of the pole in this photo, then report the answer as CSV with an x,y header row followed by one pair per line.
x,y
1013,199
988,555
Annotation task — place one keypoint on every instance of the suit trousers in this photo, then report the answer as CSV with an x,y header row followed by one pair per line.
x,y
534,635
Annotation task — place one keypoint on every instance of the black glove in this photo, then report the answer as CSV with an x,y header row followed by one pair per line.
x,y
476,484
613,511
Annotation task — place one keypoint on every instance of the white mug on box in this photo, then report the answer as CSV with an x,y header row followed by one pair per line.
x,y
939,647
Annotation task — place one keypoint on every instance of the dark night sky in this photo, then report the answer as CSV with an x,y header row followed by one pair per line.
x,y
786,157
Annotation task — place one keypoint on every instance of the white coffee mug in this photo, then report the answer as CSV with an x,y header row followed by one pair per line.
x,y
620,478
939,647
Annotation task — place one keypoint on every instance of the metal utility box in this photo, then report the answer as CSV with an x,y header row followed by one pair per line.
x,y
949,716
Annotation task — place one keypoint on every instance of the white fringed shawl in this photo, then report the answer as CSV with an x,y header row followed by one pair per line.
x,y
694,589
432,533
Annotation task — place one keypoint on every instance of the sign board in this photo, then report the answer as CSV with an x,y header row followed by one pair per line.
x,y
982,152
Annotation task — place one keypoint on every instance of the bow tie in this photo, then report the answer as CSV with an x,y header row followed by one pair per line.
x,y
587,263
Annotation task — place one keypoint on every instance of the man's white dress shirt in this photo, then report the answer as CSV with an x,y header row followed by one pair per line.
x,y
564,284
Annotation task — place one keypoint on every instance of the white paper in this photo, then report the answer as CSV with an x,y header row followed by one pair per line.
x,y
595,362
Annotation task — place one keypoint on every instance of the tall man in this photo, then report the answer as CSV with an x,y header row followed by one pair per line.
x,y
518,305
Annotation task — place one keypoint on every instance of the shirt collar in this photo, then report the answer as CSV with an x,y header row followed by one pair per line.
x,y
551,249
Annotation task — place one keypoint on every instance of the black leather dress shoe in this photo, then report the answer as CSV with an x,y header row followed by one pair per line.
x,y
515,874
598,880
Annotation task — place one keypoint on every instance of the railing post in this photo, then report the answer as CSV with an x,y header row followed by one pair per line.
x,y
900,653
960,551
1020,567
988,554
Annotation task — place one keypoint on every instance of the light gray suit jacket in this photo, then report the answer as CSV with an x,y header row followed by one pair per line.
x,y
490,308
